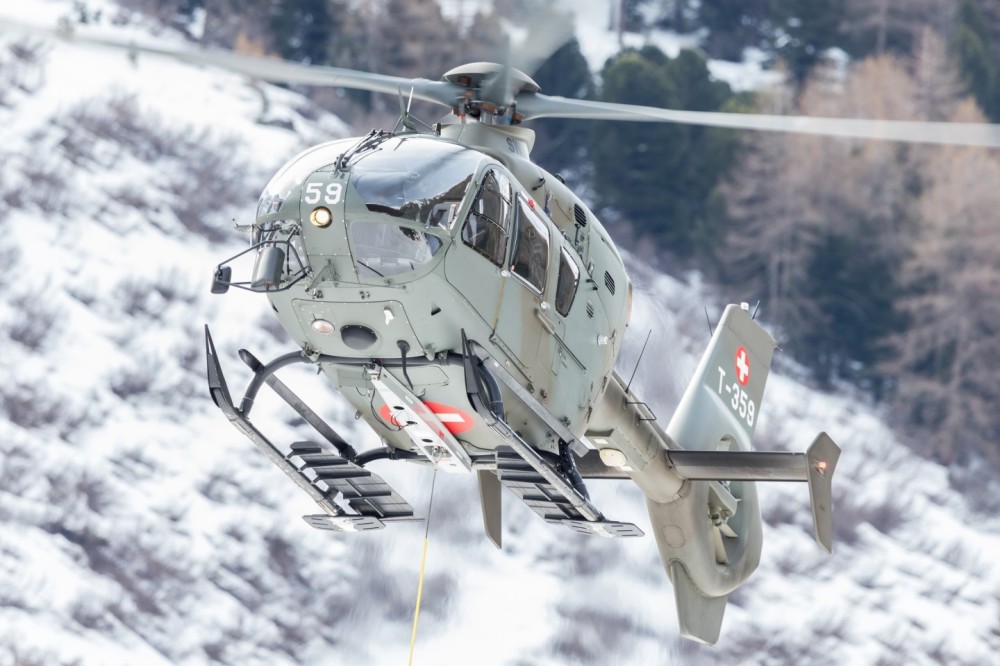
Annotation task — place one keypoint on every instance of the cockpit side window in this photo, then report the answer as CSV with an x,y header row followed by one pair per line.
x,y
569,279
487,228
530,257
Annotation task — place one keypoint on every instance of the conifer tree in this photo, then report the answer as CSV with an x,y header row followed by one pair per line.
x,y
976,47
304,30
734,25
660,177
804,29
561,143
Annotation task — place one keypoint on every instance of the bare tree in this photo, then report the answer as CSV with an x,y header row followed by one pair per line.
x,y
947,358
893,25
938,85
767,200
790,192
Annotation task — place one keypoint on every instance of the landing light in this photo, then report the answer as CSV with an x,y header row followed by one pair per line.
x,y
322,326
613,458
321,217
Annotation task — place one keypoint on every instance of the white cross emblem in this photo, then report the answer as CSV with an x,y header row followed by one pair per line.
x,y
742,366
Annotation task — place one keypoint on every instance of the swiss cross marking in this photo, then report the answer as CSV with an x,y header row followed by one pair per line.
x,y
742,366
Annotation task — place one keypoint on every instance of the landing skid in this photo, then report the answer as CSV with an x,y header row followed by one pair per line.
x,y
558,503
530,476
323,471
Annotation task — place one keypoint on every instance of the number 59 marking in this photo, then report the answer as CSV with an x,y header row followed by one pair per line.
x,y
330,195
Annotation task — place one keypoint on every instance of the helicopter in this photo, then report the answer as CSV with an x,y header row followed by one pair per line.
x,y
470,307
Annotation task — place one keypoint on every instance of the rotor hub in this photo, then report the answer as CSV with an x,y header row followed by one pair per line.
x,y
491,89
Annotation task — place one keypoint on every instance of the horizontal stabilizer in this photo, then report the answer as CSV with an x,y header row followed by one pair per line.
x,y
815,466
700,617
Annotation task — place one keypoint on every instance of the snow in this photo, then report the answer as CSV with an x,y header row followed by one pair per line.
x,y
142,528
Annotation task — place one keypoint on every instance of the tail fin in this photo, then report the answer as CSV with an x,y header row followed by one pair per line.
x,y
710,535
722,402
699,616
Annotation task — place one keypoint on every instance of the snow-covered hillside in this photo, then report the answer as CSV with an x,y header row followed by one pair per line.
x,y
138,527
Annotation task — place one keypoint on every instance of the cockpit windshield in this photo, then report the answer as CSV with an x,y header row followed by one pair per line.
x,y
416,179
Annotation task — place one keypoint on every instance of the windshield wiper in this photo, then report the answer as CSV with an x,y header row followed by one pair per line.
x,y
370,268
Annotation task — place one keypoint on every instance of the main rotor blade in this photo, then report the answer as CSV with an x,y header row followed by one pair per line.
x,y
499,87
535,105
546,35
268,69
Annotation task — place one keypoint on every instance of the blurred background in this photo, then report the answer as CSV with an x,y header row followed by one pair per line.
x,y
138,527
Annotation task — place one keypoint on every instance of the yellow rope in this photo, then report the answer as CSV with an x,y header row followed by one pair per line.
x,y
423,563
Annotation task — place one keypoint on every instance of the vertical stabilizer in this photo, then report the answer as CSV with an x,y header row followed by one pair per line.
x,y
723,400
709,530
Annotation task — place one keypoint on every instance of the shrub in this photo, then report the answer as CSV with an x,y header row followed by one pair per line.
x,y
134,381
207,177
28,406
20,68
36,320
885,515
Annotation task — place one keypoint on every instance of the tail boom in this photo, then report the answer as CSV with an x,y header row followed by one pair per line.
x,y
698,473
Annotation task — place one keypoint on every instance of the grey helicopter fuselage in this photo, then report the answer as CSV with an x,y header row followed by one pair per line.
x,y
411,240
470,308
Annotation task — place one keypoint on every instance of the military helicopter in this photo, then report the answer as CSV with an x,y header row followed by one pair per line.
x,y
471,307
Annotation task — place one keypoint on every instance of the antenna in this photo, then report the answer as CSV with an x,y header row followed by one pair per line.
x,y
711,329
756,307
406,120
641,352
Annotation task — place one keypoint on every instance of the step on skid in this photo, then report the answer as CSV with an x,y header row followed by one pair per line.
x,y
558,496
559,506
318,469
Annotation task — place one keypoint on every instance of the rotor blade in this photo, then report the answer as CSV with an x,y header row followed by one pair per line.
x,y
546,35
499,87
535,105
721,556
268,69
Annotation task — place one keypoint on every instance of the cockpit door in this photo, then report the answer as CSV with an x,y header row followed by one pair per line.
x,y
474,264
525,315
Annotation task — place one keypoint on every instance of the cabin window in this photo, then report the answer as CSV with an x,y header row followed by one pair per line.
x,y
530,256
569,279
487,228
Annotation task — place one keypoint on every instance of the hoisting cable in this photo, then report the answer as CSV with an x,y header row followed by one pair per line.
x,y
423,562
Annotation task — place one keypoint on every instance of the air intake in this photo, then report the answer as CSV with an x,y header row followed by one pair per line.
x,y
609,282
580,214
